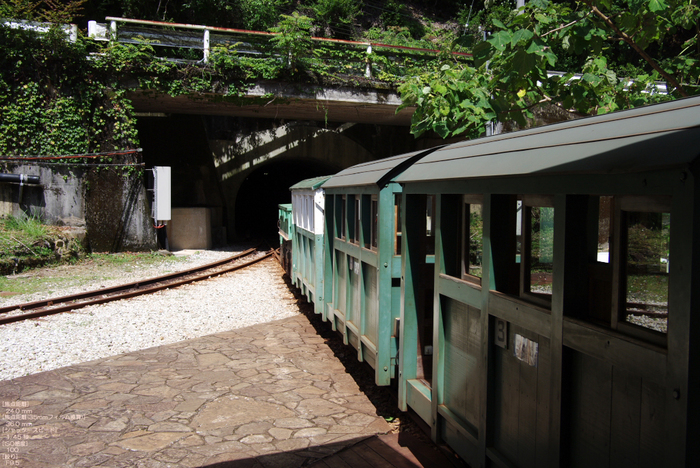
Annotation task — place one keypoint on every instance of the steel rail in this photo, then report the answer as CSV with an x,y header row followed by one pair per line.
x,y
125,291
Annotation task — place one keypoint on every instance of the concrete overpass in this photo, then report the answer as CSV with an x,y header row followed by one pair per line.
x,y
236,156
277,100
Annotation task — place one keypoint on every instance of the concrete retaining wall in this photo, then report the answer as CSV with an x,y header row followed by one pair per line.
x,y
112,210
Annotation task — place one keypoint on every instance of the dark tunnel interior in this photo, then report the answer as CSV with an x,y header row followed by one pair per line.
x,y
264,189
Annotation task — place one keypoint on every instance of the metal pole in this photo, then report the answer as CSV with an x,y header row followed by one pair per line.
x,y
206,46
113,30
368,67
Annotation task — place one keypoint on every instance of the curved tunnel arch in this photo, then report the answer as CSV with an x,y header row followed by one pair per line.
x,y
302,152
265,188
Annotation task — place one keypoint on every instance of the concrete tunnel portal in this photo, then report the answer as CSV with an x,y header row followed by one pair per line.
x,y
239,169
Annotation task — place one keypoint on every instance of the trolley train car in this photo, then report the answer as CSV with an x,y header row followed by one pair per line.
x,y
546,310
307,238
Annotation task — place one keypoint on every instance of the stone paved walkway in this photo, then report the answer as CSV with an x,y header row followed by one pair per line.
x,y
271,395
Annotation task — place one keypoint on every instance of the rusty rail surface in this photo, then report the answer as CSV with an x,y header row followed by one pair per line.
x,y
137,288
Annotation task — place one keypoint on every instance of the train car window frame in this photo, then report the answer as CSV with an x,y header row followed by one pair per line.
x,y
356,201
309,218
469,231
606,223
630,212
539,202
374,221
342,217
430,234
369,221
398,199
600,249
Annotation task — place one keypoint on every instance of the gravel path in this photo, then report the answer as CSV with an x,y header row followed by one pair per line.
x,y
239,299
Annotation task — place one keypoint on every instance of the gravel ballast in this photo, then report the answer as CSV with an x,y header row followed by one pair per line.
x,y
246,297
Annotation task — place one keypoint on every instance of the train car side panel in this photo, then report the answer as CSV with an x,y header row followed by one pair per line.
x,y
570,343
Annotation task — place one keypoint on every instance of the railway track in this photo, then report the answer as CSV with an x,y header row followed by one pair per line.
x,y
56,305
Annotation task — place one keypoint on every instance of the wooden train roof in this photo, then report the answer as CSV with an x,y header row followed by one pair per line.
x,y
377,172
310,184
647,138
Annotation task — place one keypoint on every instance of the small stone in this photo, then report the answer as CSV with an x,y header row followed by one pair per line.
x,y
310,432
256,439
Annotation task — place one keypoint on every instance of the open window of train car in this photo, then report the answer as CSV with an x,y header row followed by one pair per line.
x,y
308,212
536,248
600,260
419,240
340,219
641,266
472,245
429,225
461,230
369,221
628,265
397,224
355,218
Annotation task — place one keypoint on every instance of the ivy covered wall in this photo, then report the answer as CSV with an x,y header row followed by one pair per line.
x,y
57,98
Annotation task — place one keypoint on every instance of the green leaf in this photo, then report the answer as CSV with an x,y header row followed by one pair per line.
x,y
498,23
568,102
657,5
481,53
420,127
445,109
442,129
500,40
536,47
499,104
523,63
551,58
521,35
611,76
519,118
439,88
590,78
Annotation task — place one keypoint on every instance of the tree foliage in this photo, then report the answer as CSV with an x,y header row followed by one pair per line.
x,y
612,54
53,11
293,38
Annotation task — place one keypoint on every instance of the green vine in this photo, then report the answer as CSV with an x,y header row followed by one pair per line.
x,y
55,100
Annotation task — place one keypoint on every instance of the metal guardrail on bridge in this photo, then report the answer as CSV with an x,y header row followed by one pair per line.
x,y
251,43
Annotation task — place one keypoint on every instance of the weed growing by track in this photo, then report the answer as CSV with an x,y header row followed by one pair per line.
x,y
22,235
24,240
87,271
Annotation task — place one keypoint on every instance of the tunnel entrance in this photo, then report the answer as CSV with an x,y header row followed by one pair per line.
x,y
264,189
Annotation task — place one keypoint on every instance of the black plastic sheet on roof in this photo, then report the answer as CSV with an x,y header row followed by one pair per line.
x,y
378,172
310,184
658,136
